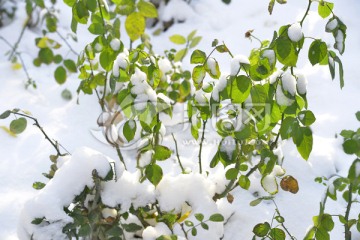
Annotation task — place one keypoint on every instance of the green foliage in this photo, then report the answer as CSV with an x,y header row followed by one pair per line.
x,y
245,107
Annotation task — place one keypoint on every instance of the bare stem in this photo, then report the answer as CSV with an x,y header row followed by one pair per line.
x,y
177,153
347,213
306,13
201,144
36,123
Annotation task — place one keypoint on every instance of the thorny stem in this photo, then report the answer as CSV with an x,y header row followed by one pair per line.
x,y
36,123
96,200
201,144
347,213
177,153
306,13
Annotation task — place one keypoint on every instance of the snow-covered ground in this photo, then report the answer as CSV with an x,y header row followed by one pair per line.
x,y
25,157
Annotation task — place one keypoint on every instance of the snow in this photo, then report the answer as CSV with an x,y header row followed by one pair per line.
x,y
269,184
273,78
281,99
115,44
211,64
236,62
24,158
295,32
109,212
289,83
331,25
269,54
301,83
59,192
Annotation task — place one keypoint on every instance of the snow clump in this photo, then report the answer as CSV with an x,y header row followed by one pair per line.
x,y
142,90
301,83
219,86
289,83
236,63
295,32
331,25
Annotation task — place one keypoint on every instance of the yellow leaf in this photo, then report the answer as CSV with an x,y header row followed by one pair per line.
x,y
43,43
16,66
8,131
183,217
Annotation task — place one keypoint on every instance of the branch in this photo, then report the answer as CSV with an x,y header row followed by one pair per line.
x,y
177,153
36,123
201,144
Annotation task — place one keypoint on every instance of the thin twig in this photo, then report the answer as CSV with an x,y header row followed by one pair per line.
x,y
306,13
201,144
177,153
14,49
67,43
36,123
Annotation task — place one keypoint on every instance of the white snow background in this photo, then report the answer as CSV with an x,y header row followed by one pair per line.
x,y
25,157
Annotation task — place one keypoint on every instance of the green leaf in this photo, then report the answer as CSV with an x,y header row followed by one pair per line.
x,y
304,147
161,153
317,52
285,51
66,94
191,35
60,75
350,146
261,229
37,221
239,89
40,3
357,114
198,57
325,8
135,25
70,65
180,55
51,24
91,5
17,126
286,127
341,71
212,68
132,227
231,173
306,117
70,3
204,226
154,173
217,217
195,42
255,202
347,133
147,9
38,185
125,7
199,216
327,222
129,130
198,76
277,234
46,55
5,114
96,29
107,58
80,12
178,39
244,182
193,231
